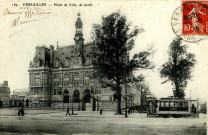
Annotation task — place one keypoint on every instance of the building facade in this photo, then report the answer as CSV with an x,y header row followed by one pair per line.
x,y
19,98
63,75
4,94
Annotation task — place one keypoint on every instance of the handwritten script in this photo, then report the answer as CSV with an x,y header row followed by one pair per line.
x,y
28,15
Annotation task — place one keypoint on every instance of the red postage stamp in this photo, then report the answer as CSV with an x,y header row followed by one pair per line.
x,y
195,18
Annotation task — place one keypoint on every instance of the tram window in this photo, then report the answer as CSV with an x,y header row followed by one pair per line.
x,y
171,104
175,104
185,104
166,104
161,104
180,104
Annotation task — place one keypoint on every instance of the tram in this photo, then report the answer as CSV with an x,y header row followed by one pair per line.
x,y
172,106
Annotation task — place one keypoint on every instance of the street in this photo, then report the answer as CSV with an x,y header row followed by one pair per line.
x,y
89,122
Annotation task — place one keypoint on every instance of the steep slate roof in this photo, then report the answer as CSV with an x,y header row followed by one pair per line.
x,y
62,53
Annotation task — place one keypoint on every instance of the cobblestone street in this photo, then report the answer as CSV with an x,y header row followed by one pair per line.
x,y
56,122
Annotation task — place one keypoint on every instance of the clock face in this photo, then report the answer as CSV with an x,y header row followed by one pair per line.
x,y
77,38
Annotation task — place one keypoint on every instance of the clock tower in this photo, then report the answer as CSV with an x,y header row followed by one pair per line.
x,y
79,40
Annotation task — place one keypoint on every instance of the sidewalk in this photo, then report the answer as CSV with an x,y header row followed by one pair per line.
x,y
5,112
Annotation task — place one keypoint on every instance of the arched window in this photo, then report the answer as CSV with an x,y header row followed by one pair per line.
x,y
60,92
56,62
87,96
67,62
76,96
66,92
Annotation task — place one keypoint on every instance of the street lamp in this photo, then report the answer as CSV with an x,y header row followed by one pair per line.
x,y
72,104
54,103
57,102
97,103
68,103
126,90
93,98
190,102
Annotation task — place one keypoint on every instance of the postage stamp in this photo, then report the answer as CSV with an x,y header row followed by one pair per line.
x,y
190,21
195,17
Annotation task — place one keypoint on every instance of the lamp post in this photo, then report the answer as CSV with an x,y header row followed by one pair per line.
x,y
93,99
68,103
72,104
58,103
97,103
54,103
190,102
125,90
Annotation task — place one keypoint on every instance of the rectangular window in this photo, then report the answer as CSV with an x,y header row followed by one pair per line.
x,y
87,81
97,90
70,79
180,104
96,82
166,104
171,104
161,104
175,104
66,82
186,104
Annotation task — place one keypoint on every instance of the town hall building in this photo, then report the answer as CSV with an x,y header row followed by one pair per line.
x,y
61,77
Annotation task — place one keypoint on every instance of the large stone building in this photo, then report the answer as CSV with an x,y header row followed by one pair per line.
x,y
63,75
4,94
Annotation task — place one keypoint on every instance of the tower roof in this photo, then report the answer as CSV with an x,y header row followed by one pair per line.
x,y
78,22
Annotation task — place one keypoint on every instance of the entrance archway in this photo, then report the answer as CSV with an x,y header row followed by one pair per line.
x,y
1,104
66,96
87,96
76,96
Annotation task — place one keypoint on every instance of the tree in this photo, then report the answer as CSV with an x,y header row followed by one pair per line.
x,y
203,108
178,68
145,91
113,40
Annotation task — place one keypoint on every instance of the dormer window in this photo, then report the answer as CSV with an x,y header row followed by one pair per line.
x,y
57,62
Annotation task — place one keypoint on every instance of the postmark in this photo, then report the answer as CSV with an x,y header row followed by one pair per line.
x,y
190,21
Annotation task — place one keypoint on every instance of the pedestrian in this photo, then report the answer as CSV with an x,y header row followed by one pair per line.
x,y
19,112
192,108
67,111
22,111
101,111
129,111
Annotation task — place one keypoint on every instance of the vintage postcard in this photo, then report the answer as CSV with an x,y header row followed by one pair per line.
x,y
131,67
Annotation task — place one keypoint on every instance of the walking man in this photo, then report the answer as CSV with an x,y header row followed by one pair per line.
x,y
19,112
22,111
67,111
101,111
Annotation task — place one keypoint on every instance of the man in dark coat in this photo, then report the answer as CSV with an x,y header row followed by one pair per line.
x,y
67,111
19,112
101,111
22,111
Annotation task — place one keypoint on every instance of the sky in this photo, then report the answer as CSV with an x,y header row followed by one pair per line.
x,y
17,43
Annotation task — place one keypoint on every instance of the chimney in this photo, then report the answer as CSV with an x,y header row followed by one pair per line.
x,y
51,55
6,83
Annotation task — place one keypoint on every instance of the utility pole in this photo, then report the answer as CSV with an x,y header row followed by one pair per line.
x,y
72,104
125,99
190,102
126,90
